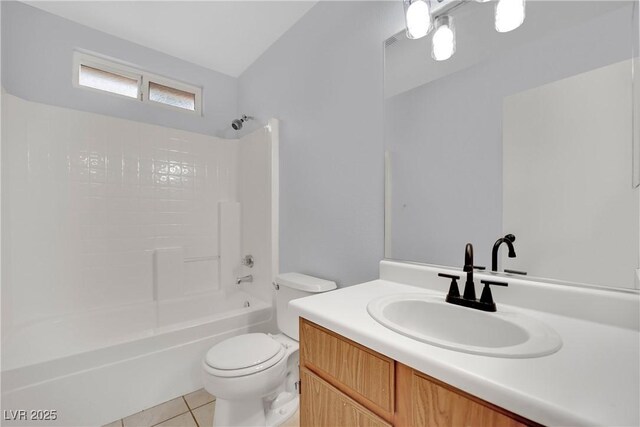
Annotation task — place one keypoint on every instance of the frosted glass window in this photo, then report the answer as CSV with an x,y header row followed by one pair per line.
x,y
147,88
171,96
109,82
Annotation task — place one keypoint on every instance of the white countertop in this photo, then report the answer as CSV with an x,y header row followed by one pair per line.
x,y
594,379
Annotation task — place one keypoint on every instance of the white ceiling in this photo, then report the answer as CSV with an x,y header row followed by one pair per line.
x,y
226,36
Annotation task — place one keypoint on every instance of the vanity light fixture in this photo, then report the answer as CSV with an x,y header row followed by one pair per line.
x,y
509,15
417,17
444,38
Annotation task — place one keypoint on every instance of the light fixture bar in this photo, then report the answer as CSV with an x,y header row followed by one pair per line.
x,y
509,15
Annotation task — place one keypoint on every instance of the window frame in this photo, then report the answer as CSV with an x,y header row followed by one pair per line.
x,y
142,77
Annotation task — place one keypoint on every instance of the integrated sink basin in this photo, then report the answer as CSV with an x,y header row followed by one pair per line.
x,y
430,319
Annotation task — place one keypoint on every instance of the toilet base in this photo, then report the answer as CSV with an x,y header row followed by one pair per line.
x,y
278,416
251,412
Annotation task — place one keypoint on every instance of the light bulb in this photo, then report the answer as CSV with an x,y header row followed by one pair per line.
x,y
418,18
444,39
509,15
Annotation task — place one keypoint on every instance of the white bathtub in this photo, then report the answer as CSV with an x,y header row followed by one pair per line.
x,y
103,365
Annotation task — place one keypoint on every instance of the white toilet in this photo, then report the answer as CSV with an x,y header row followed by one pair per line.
x,y
254,376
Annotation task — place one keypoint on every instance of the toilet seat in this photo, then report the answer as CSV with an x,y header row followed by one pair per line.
x,y
243,355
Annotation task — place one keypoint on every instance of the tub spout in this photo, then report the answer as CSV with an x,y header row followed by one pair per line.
x,y
248,279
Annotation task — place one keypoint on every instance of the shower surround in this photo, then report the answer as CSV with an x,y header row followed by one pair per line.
x,y
121,244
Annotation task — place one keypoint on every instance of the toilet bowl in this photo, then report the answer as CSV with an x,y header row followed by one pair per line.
x,y
255,376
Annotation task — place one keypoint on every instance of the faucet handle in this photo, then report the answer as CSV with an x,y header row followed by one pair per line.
x,y
487,297
453,288
479,267
493,282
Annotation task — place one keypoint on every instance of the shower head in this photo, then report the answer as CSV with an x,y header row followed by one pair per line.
x,y
237,123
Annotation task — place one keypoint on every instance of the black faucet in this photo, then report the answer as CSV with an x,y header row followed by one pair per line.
x,y
508,239
468,299
469,287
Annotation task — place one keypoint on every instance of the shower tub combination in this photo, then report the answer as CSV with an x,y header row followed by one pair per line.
x,y
111,301
99,366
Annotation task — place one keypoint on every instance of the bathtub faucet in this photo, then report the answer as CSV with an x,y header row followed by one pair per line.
x,y
248,279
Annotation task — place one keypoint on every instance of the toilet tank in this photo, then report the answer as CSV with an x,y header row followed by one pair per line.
x,y
291,286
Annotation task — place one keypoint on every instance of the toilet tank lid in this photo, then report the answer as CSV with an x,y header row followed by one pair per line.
x,y
305,283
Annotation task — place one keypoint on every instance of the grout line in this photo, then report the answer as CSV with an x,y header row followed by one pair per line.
x,y
214,399
186,403
199,406
189,409
175,416
168,419
194,419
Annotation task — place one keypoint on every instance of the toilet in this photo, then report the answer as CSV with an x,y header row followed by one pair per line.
x,y
255,376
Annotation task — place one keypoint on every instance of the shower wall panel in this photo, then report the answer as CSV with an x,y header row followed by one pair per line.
x,y
87,199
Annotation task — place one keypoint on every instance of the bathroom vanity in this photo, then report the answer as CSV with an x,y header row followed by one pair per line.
x,y
355,371
347,384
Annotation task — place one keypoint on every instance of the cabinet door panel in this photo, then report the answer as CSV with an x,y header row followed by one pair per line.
x,y
322,405
434,405
355,368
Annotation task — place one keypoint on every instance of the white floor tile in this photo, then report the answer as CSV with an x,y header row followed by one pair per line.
x,y
198,398
157,414
204,414
184,420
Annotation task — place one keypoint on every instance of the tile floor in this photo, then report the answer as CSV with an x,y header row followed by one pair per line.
x,y
191,410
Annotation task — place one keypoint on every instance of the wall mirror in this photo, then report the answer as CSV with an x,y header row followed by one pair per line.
x,y
529,133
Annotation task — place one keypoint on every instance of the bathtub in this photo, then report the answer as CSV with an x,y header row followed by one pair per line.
x,y
99,366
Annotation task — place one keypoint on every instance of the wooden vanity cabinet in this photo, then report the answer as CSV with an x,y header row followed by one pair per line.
x,y
346,384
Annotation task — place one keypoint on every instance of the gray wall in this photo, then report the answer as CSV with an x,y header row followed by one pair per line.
x,y
324,80
37,50
446,139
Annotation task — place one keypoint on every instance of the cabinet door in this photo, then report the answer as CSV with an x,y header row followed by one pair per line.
x,y
322,405
424,401
363,374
